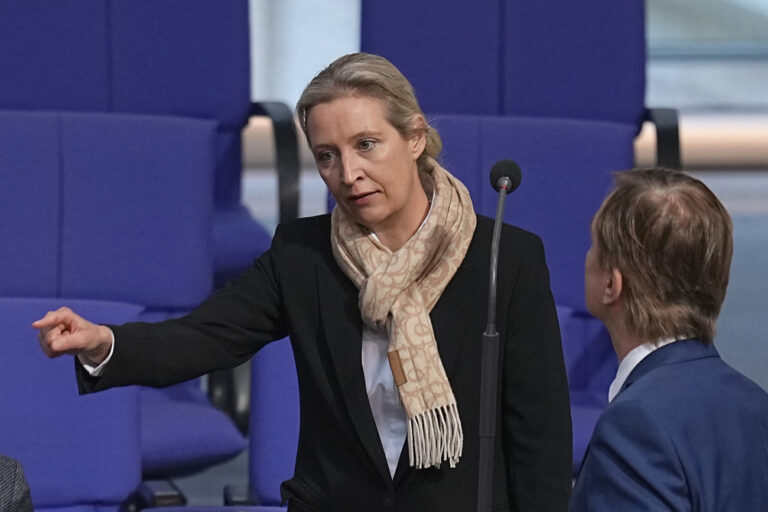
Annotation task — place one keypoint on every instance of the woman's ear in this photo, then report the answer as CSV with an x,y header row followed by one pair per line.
x,y
418,140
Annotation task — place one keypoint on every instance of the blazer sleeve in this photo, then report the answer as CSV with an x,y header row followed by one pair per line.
x,y
535,399
631,465
224,331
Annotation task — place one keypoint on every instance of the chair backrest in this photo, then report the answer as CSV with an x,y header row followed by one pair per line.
x,y
590,361
551,58
106,206
75,450
274,420
175,57
566,172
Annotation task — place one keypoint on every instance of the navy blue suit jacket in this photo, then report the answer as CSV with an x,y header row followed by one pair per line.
x,y
686,433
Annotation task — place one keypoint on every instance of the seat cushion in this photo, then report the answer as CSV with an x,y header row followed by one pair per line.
x,y
181,432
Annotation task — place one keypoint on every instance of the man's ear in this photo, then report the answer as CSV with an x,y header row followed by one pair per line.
x,y
613,286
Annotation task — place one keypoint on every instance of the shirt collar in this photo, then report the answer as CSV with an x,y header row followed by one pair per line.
x,y
632,359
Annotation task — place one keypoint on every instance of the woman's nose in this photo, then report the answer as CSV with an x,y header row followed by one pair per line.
x,y
350,169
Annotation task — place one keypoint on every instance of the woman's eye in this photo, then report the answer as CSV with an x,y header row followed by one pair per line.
x,y
365,145
324,157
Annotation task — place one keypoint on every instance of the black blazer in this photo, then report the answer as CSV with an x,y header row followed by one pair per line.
x,y
297,289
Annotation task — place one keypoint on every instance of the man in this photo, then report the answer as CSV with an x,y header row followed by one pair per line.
x,y
684,431
14,493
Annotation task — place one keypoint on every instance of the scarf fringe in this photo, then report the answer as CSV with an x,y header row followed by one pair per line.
x,y
435,436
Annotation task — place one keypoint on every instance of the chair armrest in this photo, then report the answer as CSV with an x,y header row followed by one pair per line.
x,y
229,390
667,136
286,155
159,493
240,495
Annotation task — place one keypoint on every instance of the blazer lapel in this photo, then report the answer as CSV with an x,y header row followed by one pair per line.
x,y
451,328
342,325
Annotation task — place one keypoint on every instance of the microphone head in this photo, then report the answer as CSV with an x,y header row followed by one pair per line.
x,y
508,169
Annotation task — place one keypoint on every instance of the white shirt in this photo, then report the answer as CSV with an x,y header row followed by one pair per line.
x,y
388,411
632,359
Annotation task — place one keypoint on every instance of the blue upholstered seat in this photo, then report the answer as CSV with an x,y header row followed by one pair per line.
x,y
79,453
118,207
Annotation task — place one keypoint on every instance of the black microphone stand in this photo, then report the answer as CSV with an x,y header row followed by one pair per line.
x,y
489,366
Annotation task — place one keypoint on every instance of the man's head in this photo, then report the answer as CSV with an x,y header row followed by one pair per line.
x,y
668,241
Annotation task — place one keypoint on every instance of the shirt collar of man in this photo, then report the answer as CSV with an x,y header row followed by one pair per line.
x,y
632,359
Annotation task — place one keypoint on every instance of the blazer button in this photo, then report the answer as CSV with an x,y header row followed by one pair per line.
x,y
388,499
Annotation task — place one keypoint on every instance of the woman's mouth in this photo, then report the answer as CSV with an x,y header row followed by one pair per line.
x,y
360,199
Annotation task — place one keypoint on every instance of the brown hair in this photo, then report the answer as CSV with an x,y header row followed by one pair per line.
x,y
671,238
372,76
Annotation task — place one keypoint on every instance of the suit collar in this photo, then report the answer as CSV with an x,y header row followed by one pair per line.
x,y
677,352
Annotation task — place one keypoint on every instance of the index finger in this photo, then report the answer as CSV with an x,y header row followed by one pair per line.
x,y
52,318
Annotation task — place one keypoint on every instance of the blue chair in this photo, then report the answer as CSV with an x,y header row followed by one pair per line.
x,y
274,433
567,166
185,58
118,207
550,58
182,58
79,453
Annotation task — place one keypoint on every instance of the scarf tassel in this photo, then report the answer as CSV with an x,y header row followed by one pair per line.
x,y
435,436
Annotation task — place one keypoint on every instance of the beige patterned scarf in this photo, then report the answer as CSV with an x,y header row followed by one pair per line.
x,y
397,292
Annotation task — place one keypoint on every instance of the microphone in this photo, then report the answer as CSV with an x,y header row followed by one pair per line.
x,y
505,178
505,174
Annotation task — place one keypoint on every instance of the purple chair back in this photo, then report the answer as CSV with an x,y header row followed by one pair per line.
x,y
550,58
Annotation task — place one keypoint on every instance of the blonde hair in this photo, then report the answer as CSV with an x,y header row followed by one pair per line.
x,y
671,238
371,76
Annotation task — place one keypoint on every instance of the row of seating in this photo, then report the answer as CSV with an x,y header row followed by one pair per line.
x,y
120,118
120,172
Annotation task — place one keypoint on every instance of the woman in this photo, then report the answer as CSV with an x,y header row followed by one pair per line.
x,y
393,278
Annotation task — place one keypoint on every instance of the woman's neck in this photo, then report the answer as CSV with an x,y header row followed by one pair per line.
x,y
395,237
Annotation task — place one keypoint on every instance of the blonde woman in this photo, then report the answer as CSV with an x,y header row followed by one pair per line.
x,y
385,303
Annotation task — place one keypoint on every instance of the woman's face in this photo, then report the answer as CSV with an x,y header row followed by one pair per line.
x,y
368,166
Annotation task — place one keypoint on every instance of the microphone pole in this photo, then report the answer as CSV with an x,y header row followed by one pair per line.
x,y
505,178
